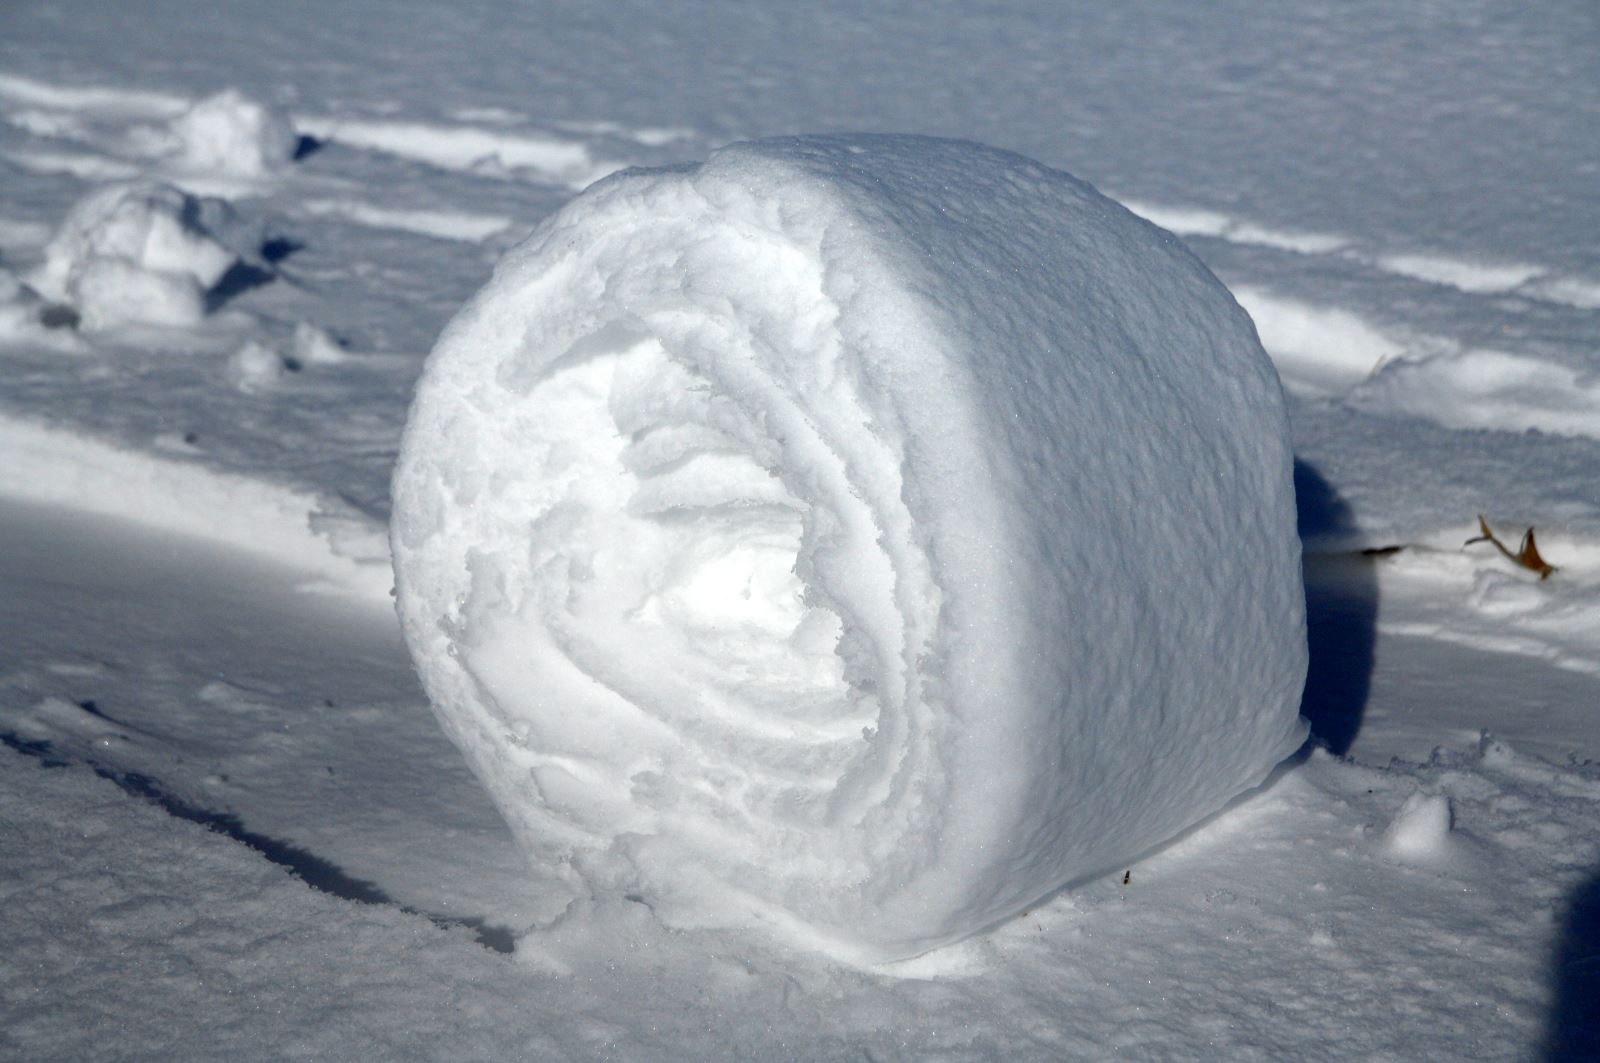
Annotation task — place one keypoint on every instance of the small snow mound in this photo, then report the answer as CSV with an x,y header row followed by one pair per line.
x,y
135,253
1493,751
1421,829
233,135
255,367
314,346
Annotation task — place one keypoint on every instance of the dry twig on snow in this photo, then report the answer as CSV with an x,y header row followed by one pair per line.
x,y
1527,554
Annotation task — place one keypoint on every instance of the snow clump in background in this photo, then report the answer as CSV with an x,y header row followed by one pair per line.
x,y
225,135
138,253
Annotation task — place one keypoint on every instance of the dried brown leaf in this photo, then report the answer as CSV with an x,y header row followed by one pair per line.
x,y
1527,554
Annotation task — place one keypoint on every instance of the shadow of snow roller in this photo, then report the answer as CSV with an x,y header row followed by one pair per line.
x,y
856,538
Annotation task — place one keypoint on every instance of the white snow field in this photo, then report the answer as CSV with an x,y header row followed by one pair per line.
x,y
903,469
230,826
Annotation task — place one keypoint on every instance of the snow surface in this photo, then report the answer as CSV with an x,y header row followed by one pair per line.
x,y
901,471
1403,196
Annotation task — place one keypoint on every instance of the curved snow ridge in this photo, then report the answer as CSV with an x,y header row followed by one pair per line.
x,y
336,547
1475,277
1487,389
1485,277
494,152
1199,221
649,136
1579,292
439,224
1331,352
80,164
1471,275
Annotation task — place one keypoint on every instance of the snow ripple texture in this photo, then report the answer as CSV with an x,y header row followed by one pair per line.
x,y
860,537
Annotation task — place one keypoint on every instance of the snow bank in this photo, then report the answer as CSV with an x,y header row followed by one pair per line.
x,y
858,536
135,253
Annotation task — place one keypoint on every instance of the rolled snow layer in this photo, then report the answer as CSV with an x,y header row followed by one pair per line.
x,y
863,536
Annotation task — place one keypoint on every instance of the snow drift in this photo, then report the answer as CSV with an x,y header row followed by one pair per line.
x,y
860,536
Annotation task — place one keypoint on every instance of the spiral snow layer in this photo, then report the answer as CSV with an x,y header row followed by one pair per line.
x,y
861,536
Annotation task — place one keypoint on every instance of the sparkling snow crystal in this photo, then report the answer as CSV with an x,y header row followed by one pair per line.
x,y
857,536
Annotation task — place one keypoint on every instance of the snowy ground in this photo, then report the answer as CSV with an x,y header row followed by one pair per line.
x,y
196,633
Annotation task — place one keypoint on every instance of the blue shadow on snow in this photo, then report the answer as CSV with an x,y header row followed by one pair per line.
x,y
1574,1030
1341,614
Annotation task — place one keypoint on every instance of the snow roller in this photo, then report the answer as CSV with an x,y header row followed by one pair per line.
x,y
853,537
